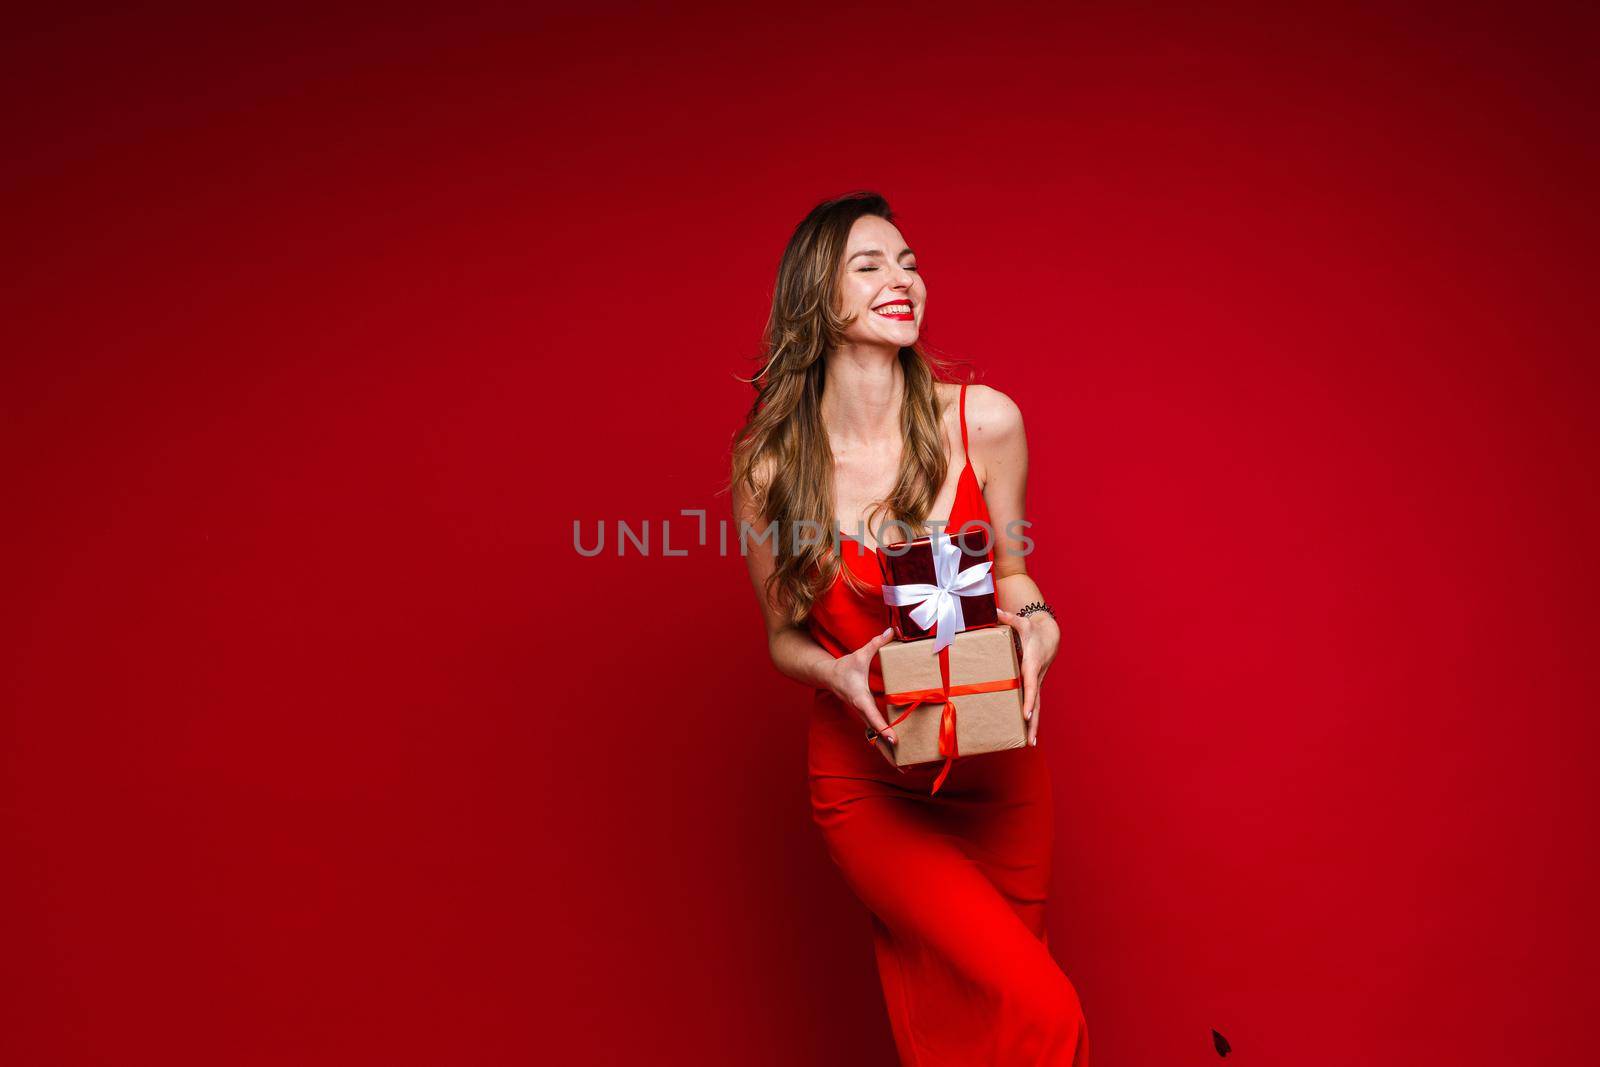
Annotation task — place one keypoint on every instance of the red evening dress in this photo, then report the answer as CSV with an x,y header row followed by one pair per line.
x,y
955,882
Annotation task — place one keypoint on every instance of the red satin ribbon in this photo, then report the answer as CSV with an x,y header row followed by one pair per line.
x,y
947,719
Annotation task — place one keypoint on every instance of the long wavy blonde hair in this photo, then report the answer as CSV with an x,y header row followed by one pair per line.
x,y
781,456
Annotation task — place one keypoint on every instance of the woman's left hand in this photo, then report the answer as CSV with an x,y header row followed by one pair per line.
x,y
1040,638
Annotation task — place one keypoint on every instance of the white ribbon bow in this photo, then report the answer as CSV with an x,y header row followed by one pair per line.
x,y
938,607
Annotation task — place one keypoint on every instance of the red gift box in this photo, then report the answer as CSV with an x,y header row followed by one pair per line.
x,y
912,566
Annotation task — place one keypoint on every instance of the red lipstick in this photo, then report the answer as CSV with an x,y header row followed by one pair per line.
x,y
905,316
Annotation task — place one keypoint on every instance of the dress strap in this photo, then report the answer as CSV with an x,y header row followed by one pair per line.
x,y
964,422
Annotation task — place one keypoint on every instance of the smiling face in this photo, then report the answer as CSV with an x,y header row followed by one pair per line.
x,y
880,287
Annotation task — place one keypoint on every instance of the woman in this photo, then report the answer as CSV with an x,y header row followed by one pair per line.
x,y
850,423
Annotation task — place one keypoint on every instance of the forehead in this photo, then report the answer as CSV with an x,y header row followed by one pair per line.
x,y
871,230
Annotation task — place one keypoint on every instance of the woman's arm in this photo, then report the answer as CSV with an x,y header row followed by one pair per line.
x,y
794,651
998,443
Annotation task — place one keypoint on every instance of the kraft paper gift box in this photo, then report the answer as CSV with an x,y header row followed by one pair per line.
x,y
983,712
959,564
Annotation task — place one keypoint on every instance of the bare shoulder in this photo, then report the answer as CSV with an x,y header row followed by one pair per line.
x,y
993,418
763,469
761,473
994,433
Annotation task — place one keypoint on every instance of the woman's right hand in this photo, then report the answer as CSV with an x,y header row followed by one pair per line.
x,y
849,683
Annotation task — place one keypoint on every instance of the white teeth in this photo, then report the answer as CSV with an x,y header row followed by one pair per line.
x,y
895,309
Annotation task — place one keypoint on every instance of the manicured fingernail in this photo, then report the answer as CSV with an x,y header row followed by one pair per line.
x,y
1033,741
890,737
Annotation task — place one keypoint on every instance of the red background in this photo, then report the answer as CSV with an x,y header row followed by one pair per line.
x,y
322,745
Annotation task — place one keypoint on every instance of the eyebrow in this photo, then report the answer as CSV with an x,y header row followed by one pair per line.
x,y
879,252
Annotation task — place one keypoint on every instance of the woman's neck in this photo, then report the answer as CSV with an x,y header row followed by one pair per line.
x,y
861,397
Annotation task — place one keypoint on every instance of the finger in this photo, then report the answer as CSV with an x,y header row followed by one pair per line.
x,y
1010,620
1030,690
888,755
1038,703
874,718
877,642
870,649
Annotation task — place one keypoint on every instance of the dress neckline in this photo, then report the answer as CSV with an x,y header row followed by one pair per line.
x,y
966,469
